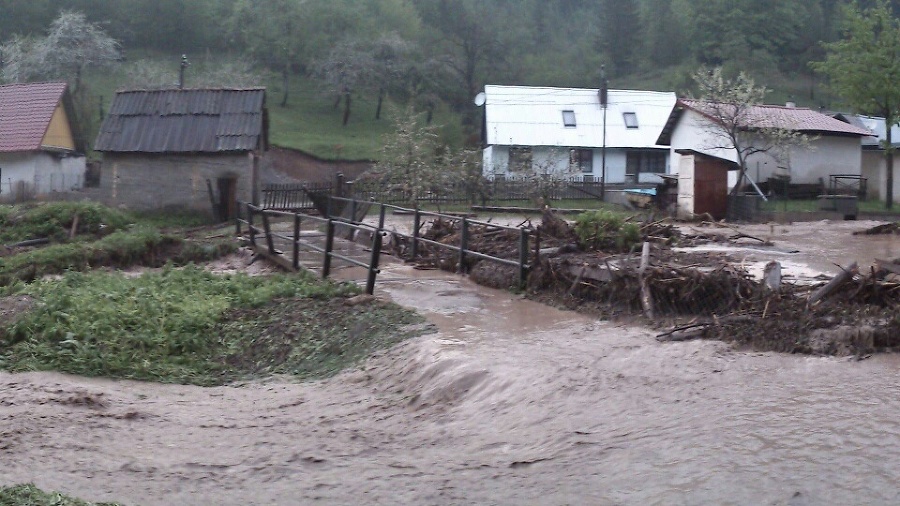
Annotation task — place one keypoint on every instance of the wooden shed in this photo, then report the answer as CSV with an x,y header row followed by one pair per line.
x,y
702,184
183,148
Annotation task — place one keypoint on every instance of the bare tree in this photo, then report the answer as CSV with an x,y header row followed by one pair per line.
x,y
414,162
737,122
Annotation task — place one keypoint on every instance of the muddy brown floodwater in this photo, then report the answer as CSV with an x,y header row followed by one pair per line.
x,y
509,402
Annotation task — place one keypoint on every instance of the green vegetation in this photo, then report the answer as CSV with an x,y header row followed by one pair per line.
x,y
30,495
606,230
191,326
104,238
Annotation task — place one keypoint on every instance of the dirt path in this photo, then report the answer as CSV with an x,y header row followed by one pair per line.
x,y
511,402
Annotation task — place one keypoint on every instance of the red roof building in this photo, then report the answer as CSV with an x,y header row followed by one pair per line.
x,y
41,151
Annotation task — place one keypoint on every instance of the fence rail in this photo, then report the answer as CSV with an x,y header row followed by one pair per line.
x,y
297,242
292,196
257,221
462,249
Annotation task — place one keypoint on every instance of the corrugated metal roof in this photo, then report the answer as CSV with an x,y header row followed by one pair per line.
x,y
533,116
876,125
185,121
25,113
799,119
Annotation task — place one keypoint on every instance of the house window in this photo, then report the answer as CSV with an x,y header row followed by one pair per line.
x,y
520,159
569,118
630,119
582,160
644,162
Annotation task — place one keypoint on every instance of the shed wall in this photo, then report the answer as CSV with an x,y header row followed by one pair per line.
x,y
153,182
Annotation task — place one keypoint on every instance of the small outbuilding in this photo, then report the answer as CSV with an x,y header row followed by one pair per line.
x,y
183,148
703,184
41,150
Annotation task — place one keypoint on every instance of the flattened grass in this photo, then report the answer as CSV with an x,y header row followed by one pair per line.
x,y
194,327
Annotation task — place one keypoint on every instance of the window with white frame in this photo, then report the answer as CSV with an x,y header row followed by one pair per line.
x,y
568,118
630,119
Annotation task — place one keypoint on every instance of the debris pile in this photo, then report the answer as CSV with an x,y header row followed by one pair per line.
x,y
695,295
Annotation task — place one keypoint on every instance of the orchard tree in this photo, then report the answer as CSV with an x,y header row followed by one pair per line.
x,y
864,69
414,162
735,122
72,45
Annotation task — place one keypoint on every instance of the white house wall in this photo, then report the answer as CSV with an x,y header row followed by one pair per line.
x,y
823,156
876,176
685,203
552,159
33,174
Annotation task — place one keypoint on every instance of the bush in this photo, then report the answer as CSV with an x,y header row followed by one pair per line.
x,y
606,231
54,220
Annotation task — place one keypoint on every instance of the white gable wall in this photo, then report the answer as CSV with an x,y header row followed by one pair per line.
x,y
28,175
824,155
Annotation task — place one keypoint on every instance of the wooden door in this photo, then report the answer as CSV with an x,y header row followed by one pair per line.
x,y
710,188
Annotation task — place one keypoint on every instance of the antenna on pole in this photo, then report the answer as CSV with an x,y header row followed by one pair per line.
x,y
184,65
604,102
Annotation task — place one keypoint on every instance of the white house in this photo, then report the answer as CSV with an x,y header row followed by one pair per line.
x,y
40,149
561,130
873,161
833,147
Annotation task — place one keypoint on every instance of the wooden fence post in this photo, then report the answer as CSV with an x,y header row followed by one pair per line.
x,y
464,245
329,246
373,262
295,259
523,258
415,237
267,229
381,217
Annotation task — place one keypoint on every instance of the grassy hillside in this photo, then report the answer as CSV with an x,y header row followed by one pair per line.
x,y
309,122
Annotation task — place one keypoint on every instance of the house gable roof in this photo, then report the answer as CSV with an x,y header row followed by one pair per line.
x,y
876,125
25,113
185,121
534,116
799,119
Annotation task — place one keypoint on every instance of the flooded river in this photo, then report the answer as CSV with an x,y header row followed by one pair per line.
x,y
509,402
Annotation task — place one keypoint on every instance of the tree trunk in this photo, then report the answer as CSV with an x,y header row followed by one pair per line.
x,y
380,101
889,164
346,108
285,75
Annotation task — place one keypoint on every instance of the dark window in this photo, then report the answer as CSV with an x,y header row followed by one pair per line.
x,y
520,158
581,159
646,162
630,119
569,118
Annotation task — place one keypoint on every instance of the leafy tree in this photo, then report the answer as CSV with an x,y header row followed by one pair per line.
x,y
735,123
864,68
620,32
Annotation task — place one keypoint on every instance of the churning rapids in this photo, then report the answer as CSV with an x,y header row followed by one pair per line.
x,y
509,402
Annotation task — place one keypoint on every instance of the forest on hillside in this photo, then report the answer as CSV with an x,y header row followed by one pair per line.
x,y
444,51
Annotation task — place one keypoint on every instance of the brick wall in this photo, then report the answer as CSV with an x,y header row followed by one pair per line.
x,y
152,182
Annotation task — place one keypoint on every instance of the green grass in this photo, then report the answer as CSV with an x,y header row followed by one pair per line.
x,y
30,495
309,122
54,220
194,327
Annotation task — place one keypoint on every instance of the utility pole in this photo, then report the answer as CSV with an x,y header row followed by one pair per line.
x,y
184,65
604,101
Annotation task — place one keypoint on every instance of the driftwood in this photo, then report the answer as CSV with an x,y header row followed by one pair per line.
x,y
836,282
646,294
29,242
696,330
74,227
884,228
